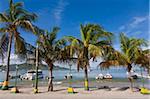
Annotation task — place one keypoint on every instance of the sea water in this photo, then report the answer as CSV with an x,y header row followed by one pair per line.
x,y
119,72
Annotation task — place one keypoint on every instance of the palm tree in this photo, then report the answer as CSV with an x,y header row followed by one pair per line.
x,y
143,59
127,57
93,38
50,50
15,16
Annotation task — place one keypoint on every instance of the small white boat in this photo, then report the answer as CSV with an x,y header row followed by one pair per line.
x,y
31,74
144,76
57,83
3,71
108,76
100,76
68,76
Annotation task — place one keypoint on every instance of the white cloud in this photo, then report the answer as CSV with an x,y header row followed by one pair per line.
x,y
131,26
58,11
137,20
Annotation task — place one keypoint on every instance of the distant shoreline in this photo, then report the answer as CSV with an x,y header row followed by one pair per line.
x,y
30,66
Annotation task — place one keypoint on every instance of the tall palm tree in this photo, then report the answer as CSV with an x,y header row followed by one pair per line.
x,y
130,52
15,16
50,50
93,38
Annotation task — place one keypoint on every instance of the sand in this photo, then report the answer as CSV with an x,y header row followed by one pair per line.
x,y
60,92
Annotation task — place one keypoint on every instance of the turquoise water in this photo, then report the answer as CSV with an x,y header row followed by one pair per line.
x,y
59,74
119,74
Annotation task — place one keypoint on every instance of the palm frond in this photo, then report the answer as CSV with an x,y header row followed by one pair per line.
x,y
3,17
20,47
24,24
4,29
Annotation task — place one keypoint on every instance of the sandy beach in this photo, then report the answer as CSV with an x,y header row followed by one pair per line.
x,y
60,92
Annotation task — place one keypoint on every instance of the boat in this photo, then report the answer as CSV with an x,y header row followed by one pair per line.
x,y
68,76
3,71
14,77
31,74
142,76
108,76
100,76
57,83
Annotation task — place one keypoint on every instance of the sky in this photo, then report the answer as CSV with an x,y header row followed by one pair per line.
x,y
116,16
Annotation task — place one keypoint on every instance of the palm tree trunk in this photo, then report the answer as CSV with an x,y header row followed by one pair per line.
x,y
50,86
5,84
86,83
37,64
129,67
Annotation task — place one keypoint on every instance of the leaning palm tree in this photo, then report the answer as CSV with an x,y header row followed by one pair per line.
x,y
15,16
127,57
50,50
93,38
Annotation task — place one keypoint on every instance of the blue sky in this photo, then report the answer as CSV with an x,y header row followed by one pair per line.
x,y
129,16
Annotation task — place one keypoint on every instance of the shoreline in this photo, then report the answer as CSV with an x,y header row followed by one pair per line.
x,y
80,83
60,92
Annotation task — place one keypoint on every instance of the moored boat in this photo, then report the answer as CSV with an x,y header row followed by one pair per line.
x,y
108,76
100,76
31,74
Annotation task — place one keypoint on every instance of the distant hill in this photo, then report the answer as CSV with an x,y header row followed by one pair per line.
x,y
30,66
